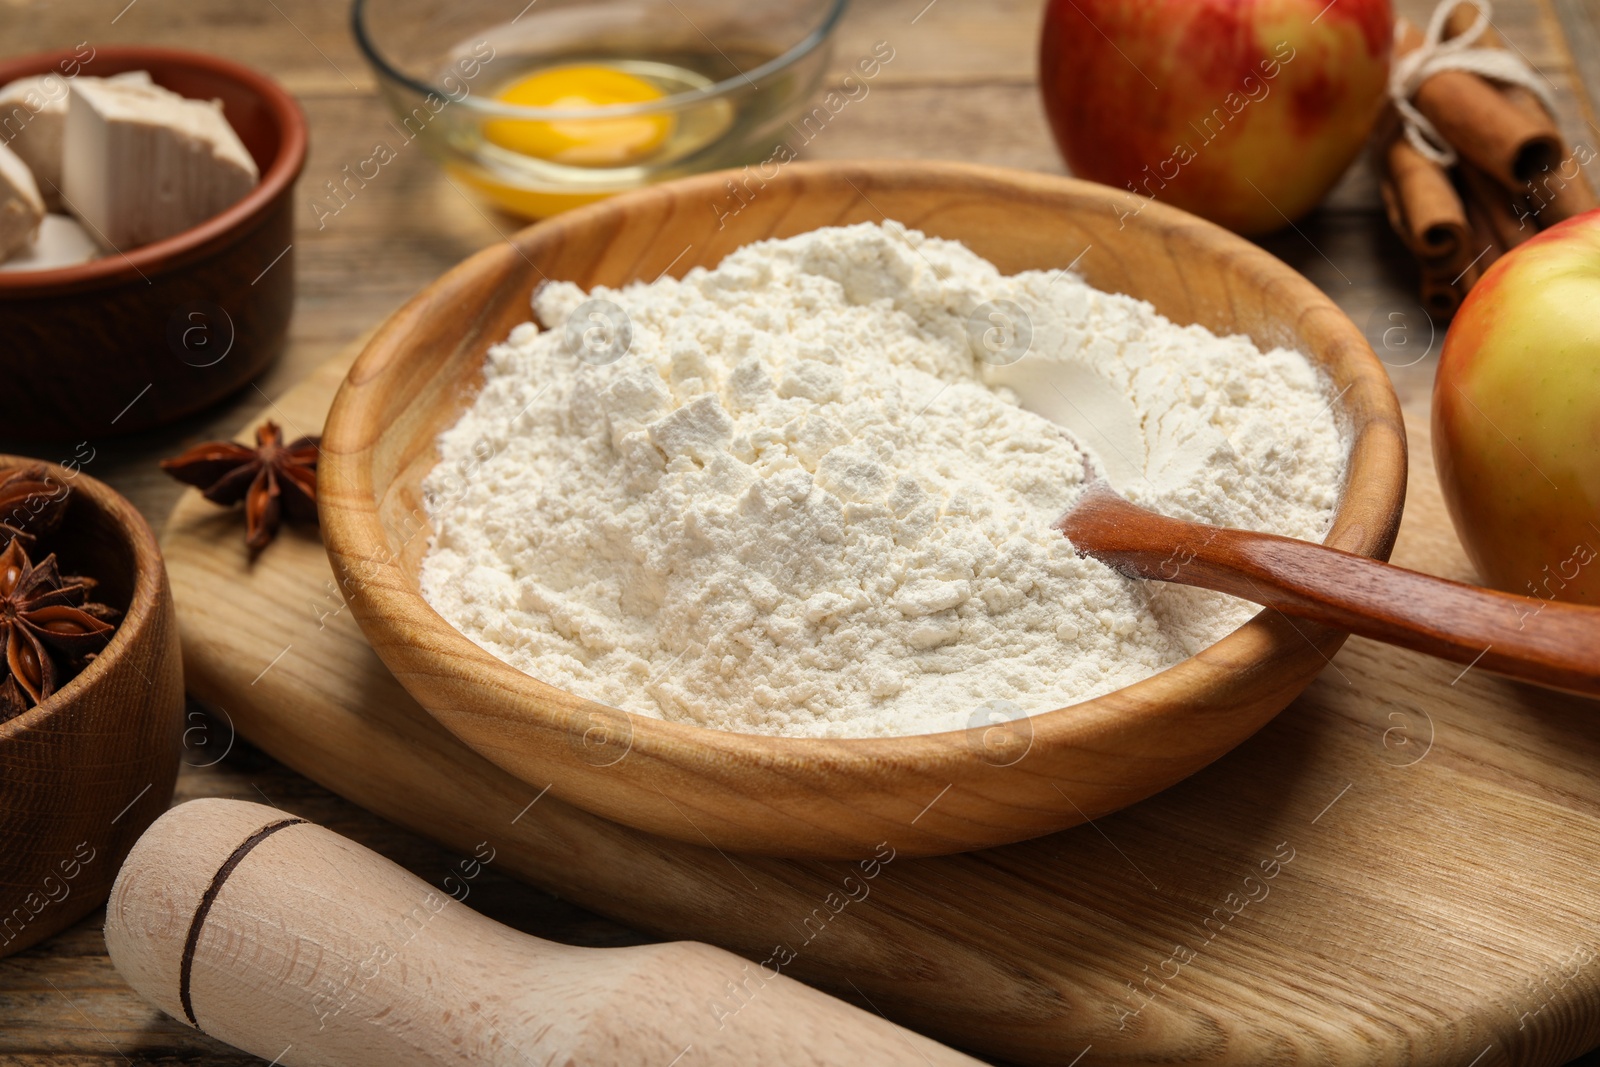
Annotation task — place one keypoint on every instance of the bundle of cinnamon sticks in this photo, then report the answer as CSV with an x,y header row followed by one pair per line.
x,y
1515,176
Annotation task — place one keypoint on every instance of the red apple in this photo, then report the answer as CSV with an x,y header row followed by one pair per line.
x,y
1516,417
1243,111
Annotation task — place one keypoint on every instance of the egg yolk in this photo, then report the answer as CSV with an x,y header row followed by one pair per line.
x,y
612,142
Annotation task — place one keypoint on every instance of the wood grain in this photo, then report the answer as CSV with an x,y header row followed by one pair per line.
x,y
283,938
1439,821
931,794
87,770
961,86
1543,642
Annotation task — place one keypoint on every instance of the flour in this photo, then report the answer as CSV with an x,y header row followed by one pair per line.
x,y
800,505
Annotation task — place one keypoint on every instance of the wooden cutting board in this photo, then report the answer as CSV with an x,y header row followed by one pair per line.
x,y
1399,869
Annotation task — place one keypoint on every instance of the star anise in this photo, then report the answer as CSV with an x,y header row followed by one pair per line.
x,y
31,502
275,480
50,628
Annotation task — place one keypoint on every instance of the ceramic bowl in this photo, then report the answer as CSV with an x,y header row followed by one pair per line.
x,y
83,774
134,340
925,794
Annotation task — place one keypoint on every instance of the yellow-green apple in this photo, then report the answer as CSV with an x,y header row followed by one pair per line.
x,y
1243,111
1516,417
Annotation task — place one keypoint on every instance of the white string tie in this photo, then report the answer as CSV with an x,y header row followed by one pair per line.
x,y
1458,53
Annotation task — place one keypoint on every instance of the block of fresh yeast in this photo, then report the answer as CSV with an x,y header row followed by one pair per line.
x,y
62,242
21,207
140,163
33,119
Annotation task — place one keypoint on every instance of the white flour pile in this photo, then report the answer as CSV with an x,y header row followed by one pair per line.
x,y
800,505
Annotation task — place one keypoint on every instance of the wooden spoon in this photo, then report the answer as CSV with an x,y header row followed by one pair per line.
x,y
1541,641
302,947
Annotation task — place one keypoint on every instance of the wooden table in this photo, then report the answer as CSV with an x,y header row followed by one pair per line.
x,y
961,86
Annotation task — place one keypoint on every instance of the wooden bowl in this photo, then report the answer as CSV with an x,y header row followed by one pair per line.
x,y
922,795
126,342
84,773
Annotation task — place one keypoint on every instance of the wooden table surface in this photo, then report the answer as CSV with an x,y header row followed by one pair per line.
x,y
961,86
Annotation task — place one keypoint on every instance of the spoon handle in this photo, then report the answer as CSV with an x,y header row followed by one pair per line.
x,y
1542,641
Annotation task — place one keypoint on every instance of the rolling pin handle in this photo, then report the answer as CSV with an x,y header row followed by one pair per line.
x,y
286,940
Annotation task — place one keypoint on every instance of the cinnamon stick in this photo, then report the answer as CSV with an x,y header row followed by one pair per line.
x,y
1555,193
1444,285
1435,290
1427,213
1562,195
1483,245
1507,216
1515,174
1503,140
1439,297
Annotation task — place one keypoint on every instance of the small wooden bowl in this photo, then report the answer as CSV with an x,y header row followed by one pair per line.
x,y
126,342
926,794
84,773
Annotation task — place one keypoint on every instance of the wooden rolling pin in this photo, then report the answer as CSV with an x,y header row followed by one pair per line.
x,y
288,941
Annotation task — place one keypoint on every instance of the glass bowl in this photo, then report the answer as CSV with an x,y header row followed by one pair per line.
x,y
568,101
